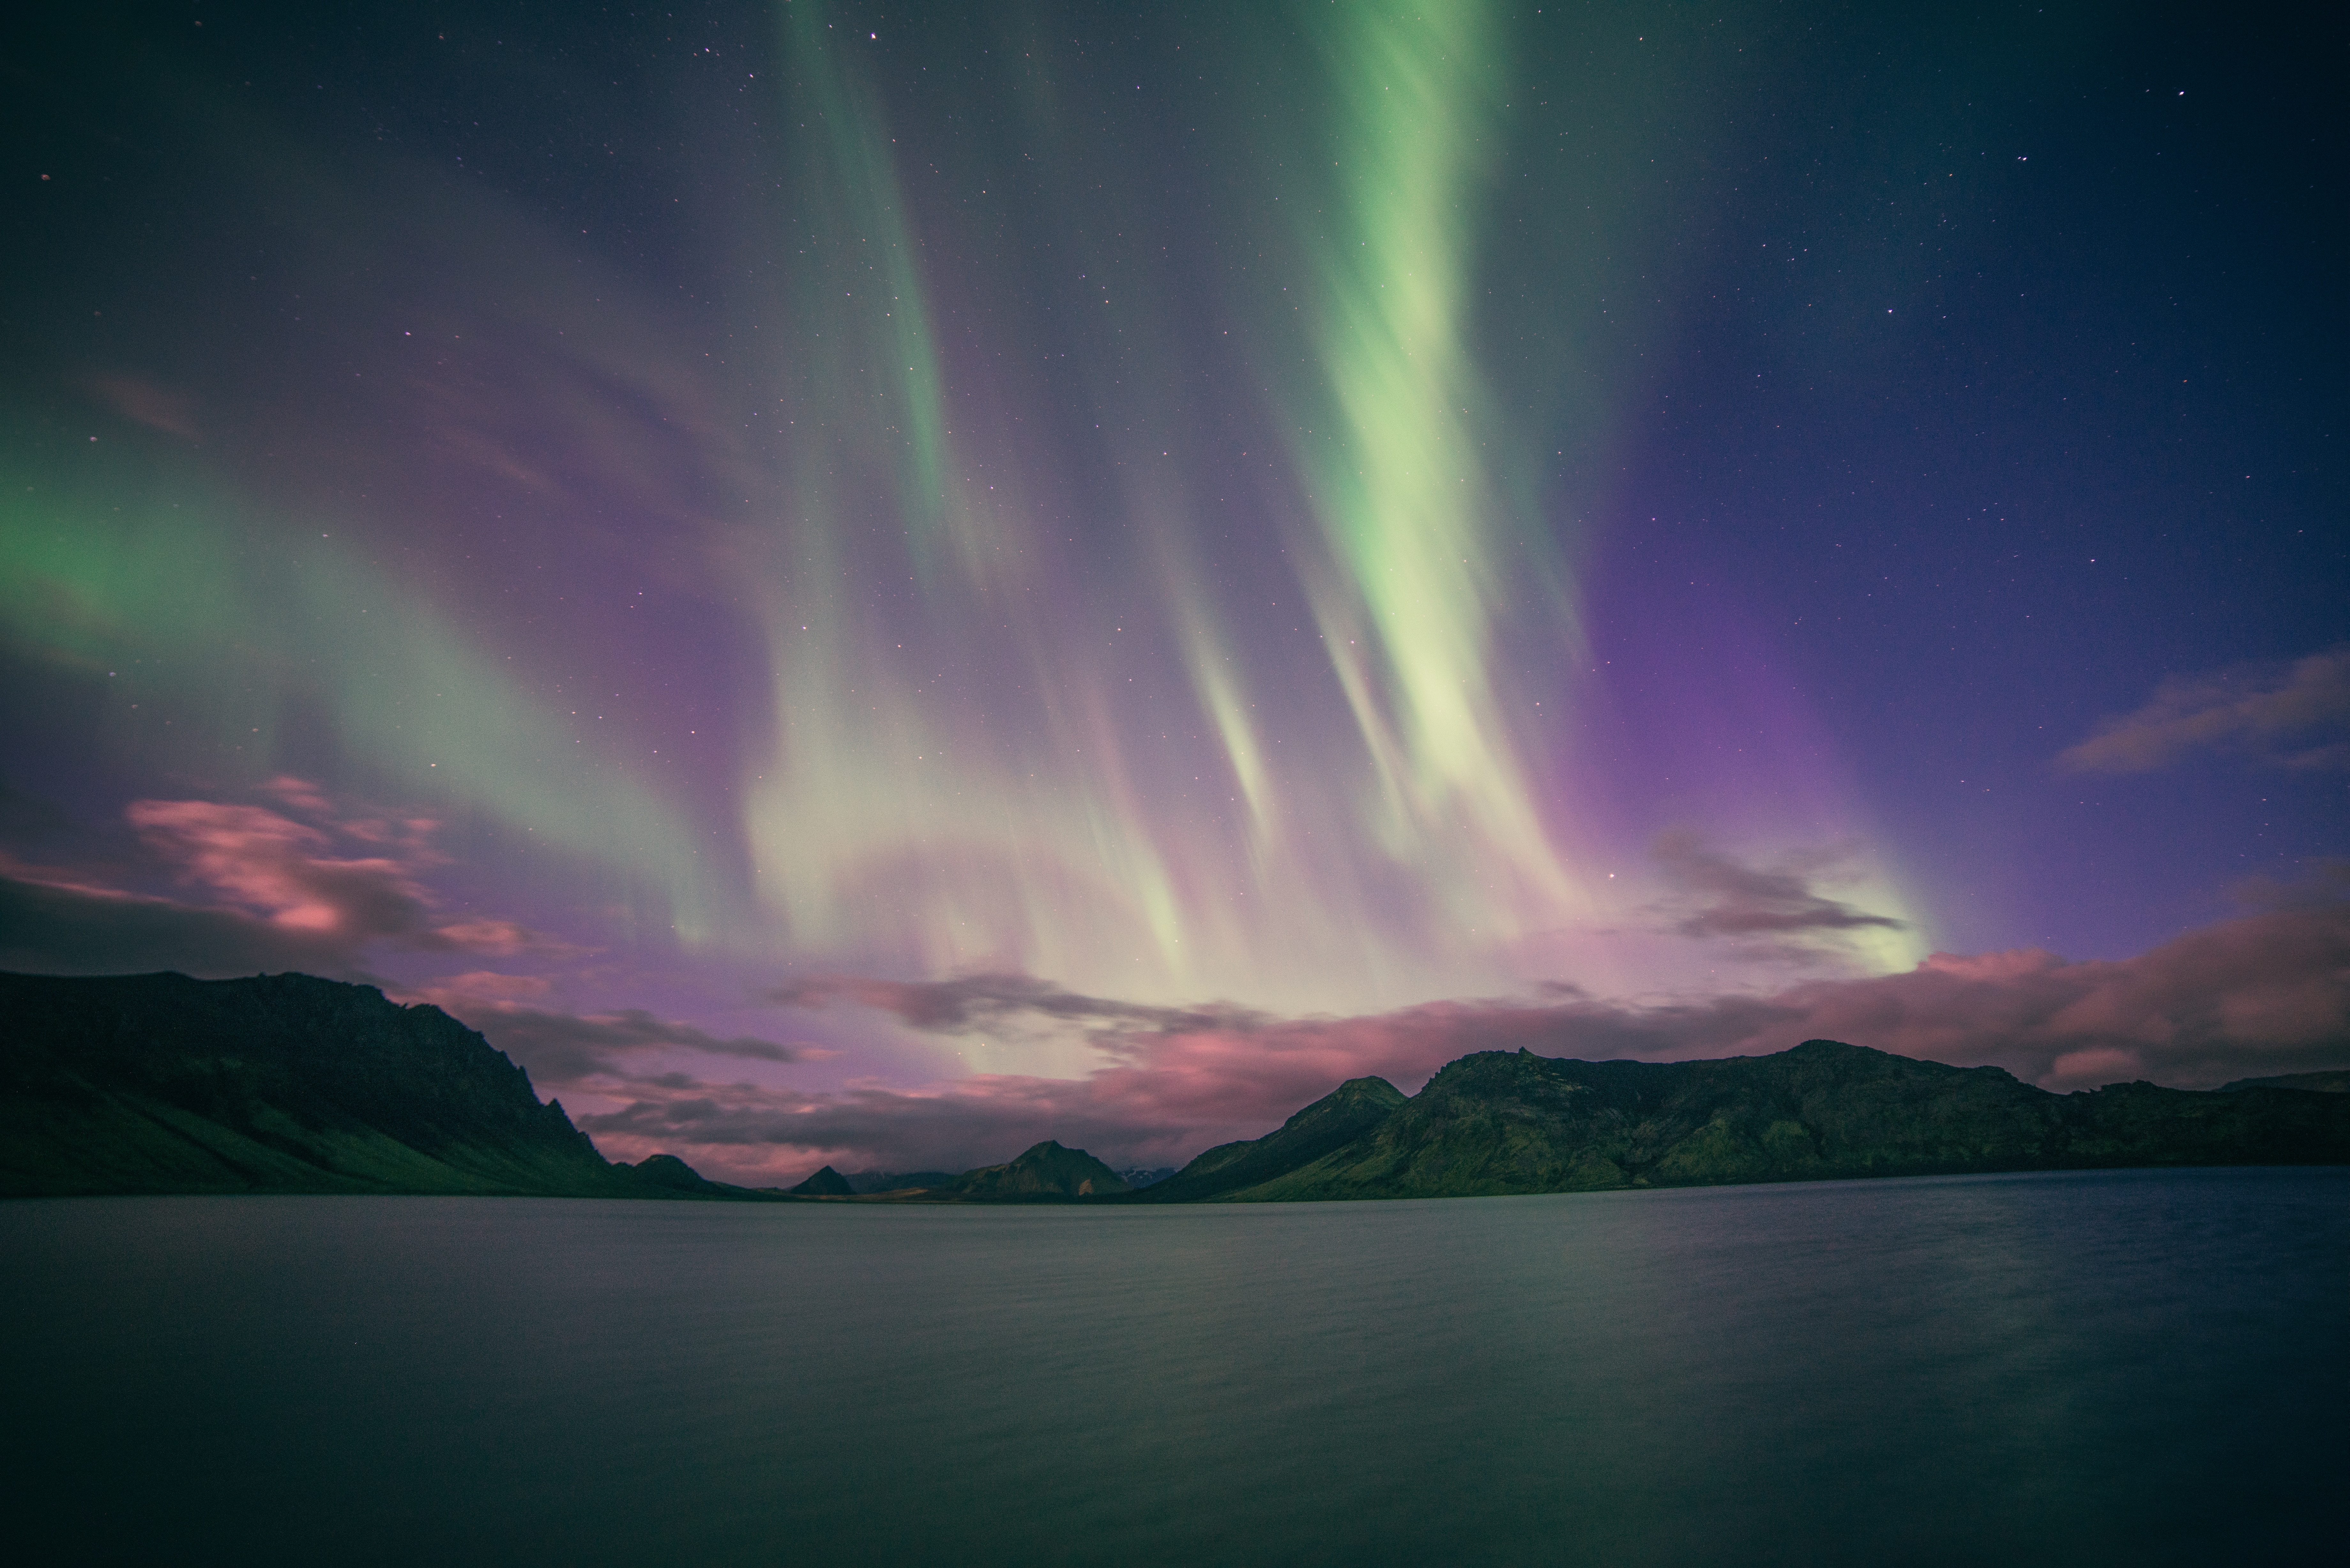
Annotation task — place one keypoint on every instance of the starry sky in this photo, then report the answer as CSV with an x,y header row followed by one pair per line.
x,y
872,584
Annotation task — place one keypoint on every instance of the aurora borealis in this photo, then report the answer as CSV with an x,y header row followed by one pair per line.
x,y
856,583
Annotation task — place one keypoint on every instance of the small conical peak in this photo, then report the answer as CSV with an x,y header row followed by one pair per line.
x,y
1048,1166
826,1183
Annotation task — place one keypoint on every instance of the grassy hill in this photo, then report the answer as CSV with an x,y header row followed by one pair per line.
x,y
1354,1108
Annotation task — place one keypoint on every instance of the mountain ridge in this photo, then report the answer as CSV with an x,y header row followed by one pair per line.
x,y
156,1083
1495,1123
280,1083
2335,1082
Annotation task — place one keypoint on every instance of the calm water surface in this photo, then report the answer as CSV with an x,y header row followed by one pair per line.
x,y
2135,1367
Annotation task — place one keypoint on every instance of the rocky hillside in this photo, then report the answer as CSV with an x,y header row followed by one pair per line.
x,y
1044,1171
160,1084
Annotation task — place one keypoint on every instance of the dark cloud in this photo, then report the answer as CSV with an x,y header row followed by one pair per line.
x,y
29,825
1736,899
569,1048
2328,882
988,1002
2296,715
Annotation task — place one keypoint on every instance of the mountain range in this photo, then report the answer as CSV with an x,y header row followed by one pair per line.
x,y
154,1083
1498,1121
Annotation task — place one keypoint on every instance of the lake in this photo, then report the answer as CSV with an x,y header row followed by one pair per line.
x,y
2091,1367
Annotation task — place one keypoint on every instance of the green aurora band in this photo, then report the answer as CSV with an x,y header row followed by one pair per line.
x,y
211,641
1174,613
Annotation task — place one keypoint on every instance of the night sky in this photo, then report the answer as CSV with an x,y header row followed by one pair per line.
x,y
872,585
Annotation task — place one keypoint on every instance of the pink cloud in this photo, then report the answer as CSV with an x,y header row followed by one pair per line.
x,y
485,988
299,795
494,939
282,894
2012,964
277,865
2294,714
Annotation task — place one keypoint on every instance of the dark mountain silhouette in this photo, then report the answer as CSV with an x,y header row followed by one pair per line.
x,y
1046,1170
2334,1083
283,1083
672,1177
826,1183
1500,1123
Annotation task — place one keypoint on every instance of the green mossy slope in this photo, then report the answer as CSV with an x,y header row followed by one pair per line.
x,y
1335,1120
